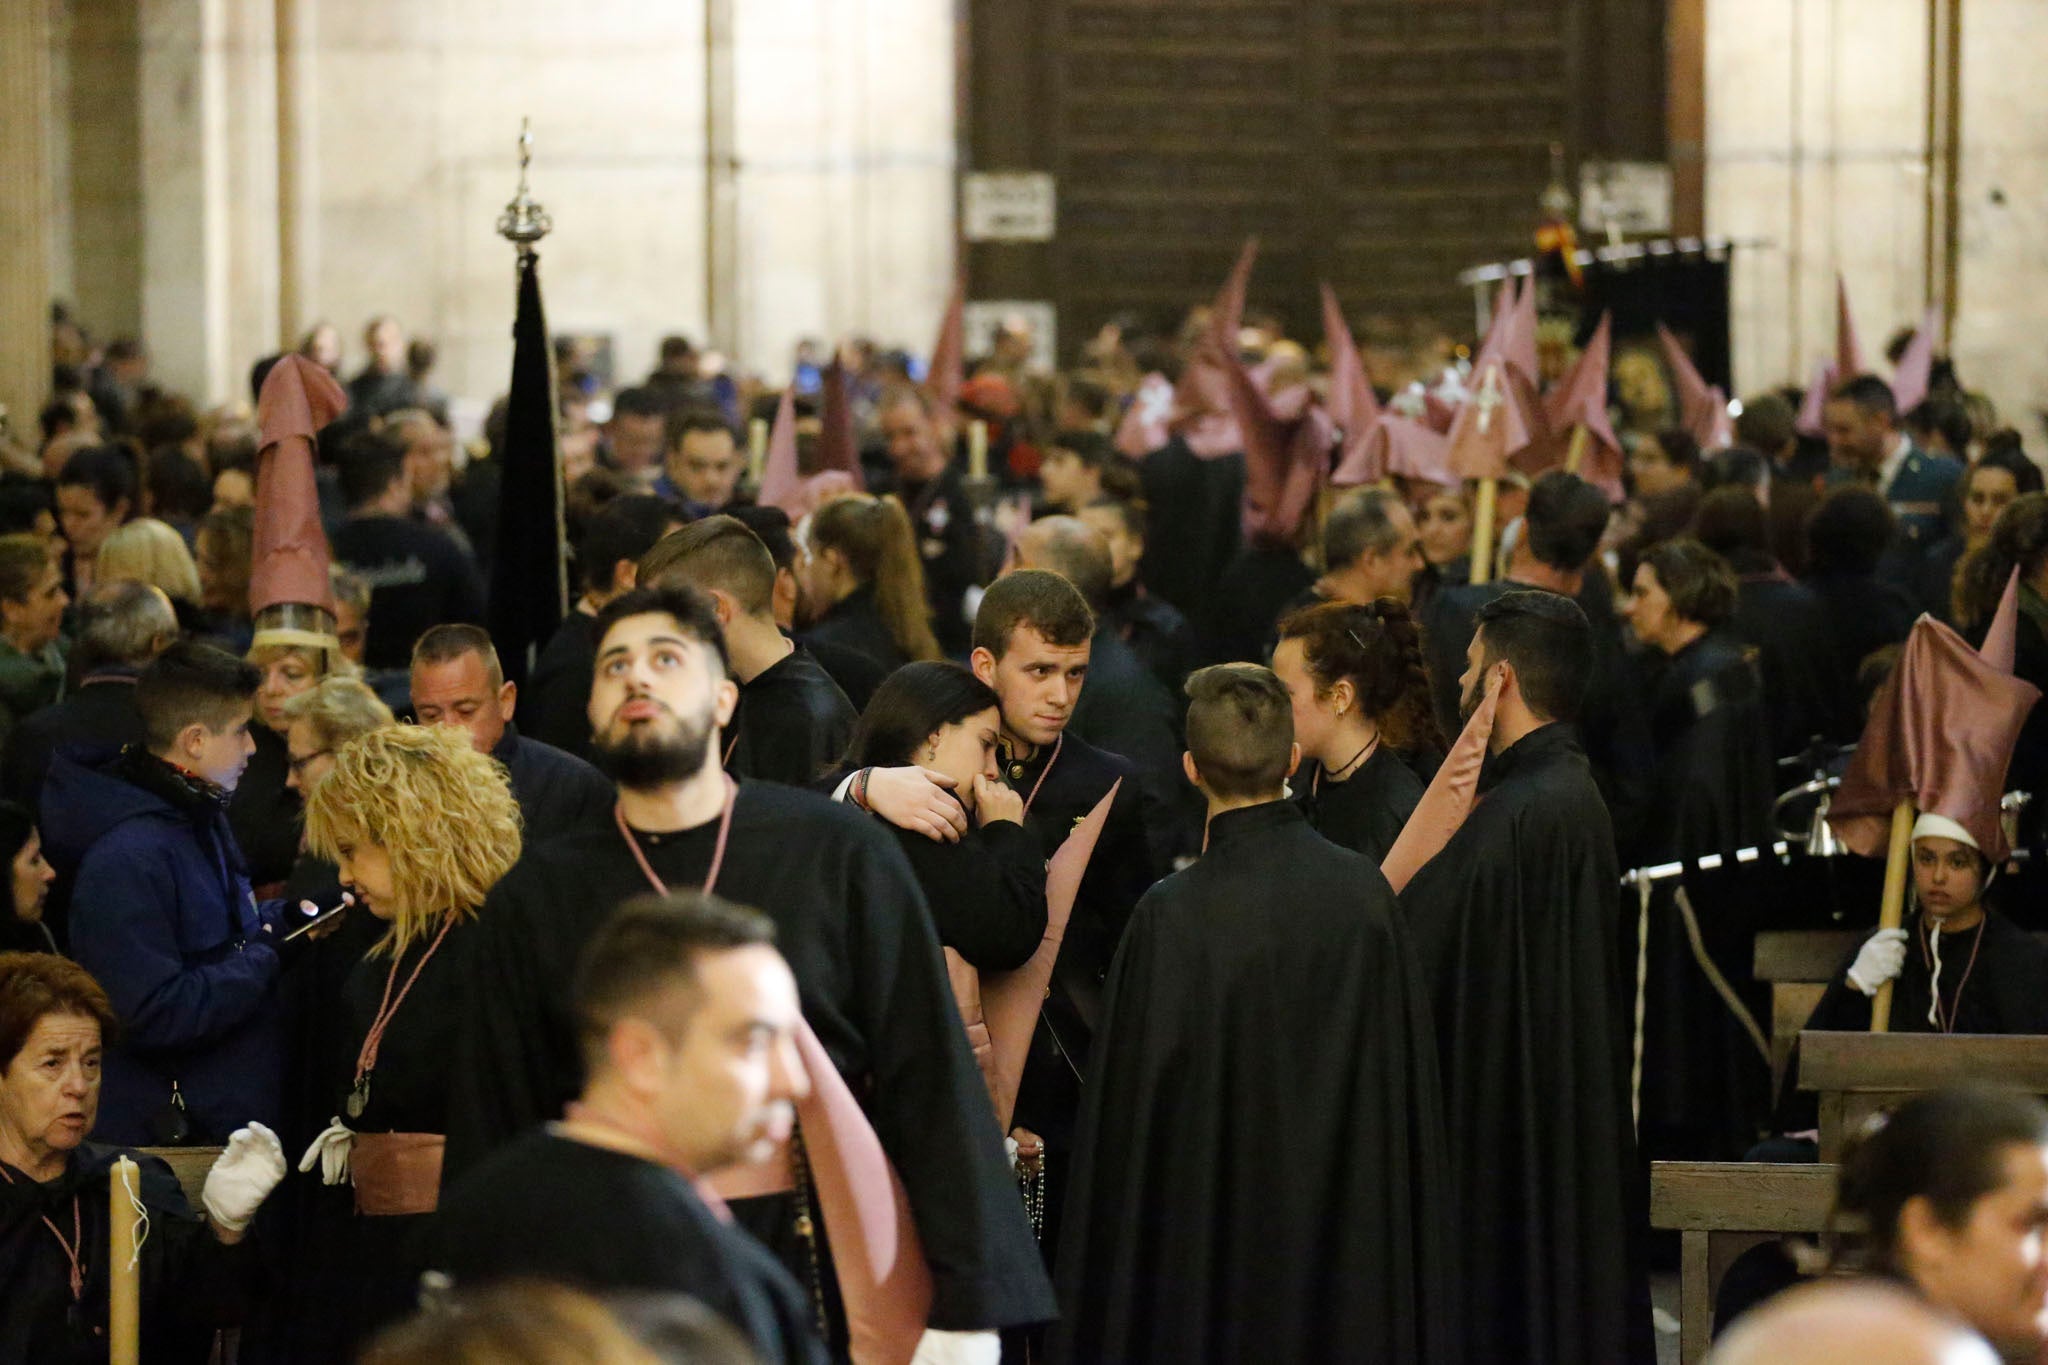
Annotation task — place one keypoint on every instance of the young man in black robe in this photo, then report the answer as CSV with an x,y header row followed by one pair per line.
x,y
1032,644
793,721
1259,1167
849,918
1517,925
686,1017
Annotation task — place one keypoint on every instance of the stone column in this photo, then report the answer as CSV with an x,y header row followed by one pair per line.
x,y
25,211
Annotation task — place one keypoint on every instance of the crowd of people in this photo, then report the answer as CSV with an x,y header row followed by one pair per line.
x,y
1020,895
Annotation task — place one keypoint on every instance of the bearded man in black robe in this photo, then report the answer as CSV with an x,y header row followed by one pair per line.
x,y
1259,1167
1517,925
849,918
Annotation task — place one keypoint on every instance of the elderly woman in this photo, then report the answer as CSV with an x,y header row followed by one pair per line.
x,y
55,1197
421,827
150,551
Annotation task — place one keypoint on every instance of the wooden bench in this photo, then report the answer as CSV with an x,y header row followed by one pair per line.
x,y
1857,1075
1798,964
1721,1209
190,1165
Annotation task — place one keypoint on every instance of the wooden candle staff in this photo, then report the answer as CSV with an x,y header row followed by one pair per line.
x,y
124,1271
1891,910
757,448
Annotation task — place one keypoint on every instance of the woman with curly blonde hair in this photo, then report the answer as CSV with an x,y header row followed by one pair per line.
x,y
421,827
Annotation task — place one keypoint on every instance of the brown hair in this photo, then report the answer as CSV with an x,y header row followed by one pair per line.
x,y
1240,729
24,559
1699,582
1037,598
33,985
874,536
2019,540
718,552
1378,650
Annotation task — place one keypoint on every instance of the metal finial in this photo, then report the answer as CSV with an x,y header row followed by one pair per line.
x,y
524,221
1556,199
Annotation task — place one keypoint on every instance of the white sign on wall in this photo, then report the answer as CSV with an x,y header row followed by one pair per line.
x,y
1007,206
980,318
1633,195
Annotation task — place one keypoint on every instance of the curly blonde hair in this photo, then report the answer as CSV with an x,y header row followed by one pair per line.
x,y
441,811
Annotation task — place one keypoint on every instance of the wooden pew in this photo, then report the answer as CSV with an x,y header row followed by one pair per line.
x,y
1860,1074
1798,964
1721,1209
190,1165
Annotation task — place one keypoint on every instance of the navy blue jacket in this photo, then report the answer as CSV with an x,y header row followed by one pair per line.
x,y
162,916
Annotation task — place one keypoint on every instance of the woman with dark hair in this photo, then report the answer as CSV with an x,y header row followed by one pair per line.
x,y
987,892
1361,700
1951,1194
1846,537
95,493
23,930
861,574
2018,541
1988,487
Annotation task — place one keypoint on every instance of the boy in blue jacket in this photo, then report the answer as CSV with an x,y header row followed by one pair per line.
x,y
162,914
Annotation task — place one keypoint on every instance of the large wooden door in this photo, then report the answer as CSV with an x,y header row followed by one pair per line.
x,y
1383,145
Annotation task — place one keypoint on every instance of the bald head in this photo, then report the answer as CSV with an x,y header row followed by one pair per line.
x,y
1860,1320
1072,549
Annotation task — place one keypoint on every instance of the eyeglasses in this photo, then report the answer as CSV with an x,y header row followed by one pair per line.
x,y
298,765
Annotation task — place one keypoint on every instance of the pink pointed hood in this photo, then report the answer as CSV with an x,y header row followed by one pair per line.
x,y
1202,413
1353,406
1702,407
1848,354
1916,365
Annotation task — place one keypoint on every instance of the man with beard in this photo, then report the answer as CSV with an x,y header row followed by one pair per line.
x,y
686,1017
793,723
849,919
1516,922
1219,1198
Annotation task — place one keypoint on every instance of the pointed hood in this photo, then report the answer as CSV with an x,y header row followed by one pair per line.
x,y
1702,407
1916,365
1287,442
290,594
1491,425
1448,799
1813,407
1940,734
1580,399
783,484
1519,350
1848,354
1201,401
838,449
1399,446
1147,423
1353,406
948,368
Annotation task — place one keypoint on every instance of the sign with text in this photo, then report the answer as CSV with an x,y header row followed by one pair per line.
x,y
1007,206
1635,196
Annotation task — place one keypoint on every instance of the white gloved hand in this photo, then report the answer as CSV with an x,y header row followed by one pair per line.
x,y
331,1149
1880,960
243,1177
958,1348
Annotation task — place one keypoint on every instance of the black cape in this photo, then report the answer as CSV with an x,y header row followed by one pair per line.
x,y
1516,925
987,892
1259,1169
1805,691
552,1208
1364,812
793,723
1247,598
555,790
1195,522
854,625
1155,630
556,699
267,816
855,929
1124,710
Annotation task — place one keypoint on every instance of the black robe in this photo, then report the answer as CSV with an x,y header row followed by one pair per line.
x,y
1706,1089
1155,630
1259,1167
951,546
1515,922
987,892
555,703
854,623
1364,812
191,1284
267,816
1123,710
793,723
1805,692
1195,523
1247,598
2005,990
854,927
552,1208
1868,613
555,789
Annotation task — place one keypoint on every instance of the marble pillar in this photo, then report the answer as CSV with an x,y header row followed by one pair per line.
x,y
26,110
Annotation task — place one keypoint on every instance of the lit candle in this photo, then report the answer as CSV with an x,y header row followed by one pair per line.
x,y
124,1292
757,447
977,449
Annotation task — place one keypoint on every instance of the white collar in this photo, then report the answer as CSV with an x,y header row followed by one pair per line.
x,y
1902,446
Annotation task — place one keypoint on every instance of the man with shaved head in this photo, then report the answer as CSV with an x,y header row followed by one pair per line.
x,y
1124,708
1867,1321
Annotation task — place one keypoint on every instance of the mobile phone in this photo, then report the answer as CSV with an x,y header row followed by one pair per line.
x,y
319,918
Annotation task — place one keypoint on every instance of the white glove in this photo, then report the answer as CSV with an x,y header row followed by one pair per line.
x,y
1881,959
331,1149
957,1348
242,1177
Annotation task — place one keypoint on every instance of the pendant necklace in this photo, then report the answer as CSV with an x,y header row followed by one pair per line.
x,y
366,1060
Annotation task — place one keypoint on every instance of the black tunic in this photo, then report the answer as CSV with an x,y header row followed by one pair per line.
x,y
856,932
1123,710
1195,523
1247,599
987,892
1364,812
555,703
1805,692
1259,1168
1155,630
792,724
555,790
552,1208
1515,922
1867,614
267,816
854,623
191,1284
